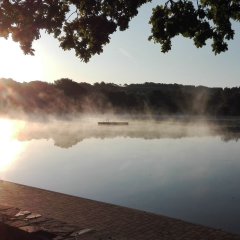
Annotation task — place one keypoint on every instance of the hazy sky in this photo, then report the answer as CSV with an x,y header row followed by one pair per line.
x,y
129,58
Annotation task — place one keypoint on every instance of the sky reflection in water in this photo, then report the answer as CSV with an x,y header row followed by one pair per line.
x,y
189,171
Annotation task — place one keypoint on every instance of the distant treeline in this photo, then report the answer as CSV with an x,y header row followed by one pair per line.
x,y
65,97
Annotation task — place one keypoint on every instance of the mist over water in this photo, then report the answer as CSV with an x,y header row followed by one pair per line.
x,y
67,133
187,168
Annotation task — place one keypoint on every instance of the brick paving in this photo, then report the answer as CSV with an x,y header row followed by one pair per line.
x,y
21,224
106,221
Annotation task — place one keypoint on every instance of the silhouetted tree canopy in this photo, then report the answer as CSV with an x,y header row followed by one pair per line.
x,y
85,26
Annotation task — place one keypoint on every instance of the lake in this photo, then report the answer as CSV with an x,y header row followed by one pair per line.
x,y
183,169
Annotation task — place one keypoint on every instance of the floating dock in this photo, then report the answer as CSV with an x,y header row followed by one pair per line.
x,y
113,123
47,215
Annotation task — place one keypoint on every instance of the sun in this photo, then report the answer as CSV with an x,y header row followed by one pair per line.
x,y
14,64
10,147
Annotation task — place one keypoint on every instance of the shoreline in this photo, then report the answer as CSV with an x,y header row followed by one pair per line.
x,y
106,220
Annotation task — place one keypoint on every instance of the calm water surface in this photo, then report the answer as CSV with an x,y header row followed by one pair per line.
x,y
191,172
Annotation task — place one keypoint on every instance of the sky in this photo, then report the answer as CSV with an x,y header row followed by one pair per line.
x,y
129,58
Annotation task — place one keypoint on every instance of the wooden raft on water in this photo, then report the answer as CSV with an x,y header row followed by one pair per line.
x,y
112,123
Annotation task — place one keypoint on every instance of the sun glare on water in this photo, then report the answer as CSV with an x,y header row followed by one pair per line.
x,y
10,147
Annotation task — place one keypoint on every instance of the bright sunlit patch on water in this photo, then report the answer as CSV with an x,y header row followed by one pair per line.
x,y
10,147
